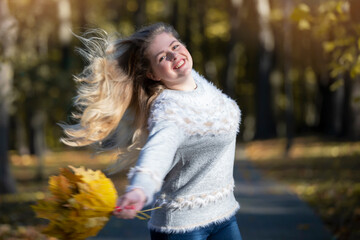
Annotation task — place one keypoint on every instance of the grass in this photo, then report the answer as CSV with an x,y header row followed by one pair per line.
x,y
324,173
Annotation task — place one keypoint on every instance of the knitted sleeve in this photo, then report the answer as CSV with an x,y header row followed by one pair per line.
x,y
156,158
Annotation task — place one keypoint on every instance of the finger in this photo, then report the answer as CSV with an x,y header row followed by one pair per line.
x,y
126,214
124,201
129,207
119,209
125,209
129,211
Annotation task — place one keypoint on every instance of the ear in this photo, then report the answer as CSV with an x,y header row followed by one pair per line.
x,y
152,76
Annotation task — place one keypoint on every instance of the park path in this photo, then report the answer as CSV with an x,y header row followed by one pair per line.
x,y
269,211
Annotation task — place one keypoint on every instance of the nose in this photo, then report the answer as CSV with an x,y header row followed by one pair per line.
x,y
171,56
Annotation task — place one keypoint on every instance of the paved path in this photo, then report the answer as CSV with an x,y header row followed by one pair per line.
x,y
269,211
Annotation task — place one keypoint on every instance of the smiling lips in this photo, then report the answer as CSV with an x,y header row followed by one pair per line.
x,y
179,64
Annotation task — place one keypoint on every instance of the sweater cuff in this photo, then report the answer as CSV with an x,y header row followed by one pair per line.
x,y
146,181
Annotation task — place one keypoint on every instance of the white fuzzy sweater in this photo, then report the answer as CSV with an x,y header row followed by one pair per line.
x,y
187,162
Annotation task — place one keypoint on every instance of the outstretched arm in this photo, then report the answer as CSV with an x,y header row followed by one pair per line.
x,y
155,161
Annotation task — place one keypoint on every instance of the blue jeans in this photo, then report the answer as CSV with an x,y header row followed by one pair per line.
x,y
228,230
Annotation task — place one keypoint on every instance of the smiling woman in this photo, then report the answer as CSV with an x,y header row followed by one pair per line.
x,y
171,63
185,166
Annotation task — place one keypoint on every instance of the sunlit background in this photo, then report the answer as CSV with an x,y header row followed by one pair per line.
x,y
293,66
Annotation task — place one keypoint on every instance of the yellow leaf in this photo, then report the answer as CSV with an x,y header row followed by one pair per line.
x,y
346,41
81,203
276,14
355,70
328,46
46,209
304,24
60,187
336,71
337,84
303,7
339,7
347,57
53,230
300,12
343,7
356,100
95,222
70,176
331,16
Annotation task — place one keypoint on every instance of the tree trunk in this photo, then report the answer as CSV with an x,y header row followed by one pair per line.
x,y
8,34
339,109
38,125
82,14
354,87
64,15
188,21
201,11
289,115
140,14
233,51
7,183
175,14
351,121
21,143
265,124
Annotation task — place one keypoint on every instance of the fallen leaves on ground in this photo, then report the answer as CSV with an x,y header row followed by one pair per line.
x,y
324,173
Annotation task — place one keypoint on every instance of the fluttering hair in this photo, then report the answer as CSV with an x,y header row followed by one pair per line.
x,y
114,94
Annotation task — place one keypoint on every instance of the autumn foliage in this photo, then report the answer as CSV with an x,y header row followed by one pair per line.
x,y
81,203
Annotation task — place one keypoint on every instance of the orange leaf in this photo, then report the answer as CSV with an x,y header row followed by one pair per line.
x,y
60,187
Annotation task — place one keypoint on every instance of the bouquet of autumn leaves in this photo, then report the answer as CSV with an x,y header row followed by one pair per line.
x,y
81,203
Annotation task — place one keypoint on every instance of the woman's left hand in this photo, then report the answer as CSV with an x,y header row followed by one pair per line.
x,y
129,204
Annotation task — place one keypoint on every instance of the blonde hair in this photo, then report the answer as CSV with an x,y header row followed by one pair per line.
x,y
114,92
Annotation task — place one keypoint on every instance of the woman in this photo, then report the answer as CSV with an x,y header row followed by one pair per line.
x,y
186,165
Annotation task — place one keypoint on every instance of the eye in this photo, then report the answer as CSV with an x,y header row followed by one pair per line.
x,y
176,46
161,58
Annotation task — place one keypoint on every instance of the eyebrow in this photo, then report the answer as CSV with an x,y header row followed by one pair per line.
x,y
163,51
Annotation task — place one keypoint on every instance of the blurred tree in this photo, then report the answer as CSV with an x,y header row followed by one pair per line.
x,y
39,116
38,119
65,26
232,44
289,112
233,50
354,129
188,17
206,64
140,14
339,31
265,125
174,16
42,69
8,35
20,140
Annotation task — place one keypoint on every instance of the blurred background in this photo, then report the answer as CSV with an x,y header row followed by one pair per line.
x,y
293,66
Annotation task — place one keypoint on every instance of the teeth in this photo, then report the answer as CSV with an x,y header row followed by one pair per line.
x,y
180,64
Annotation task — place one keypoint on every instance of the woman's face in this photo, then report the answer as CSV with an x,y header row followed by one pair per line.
x,y
171,62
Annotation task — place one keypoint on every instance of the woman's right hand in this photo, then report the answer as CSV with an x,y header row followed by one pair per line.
x,y
129,203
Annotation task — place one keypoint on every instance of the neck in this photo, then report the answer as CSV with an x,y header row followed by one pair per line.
x,y
186,85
